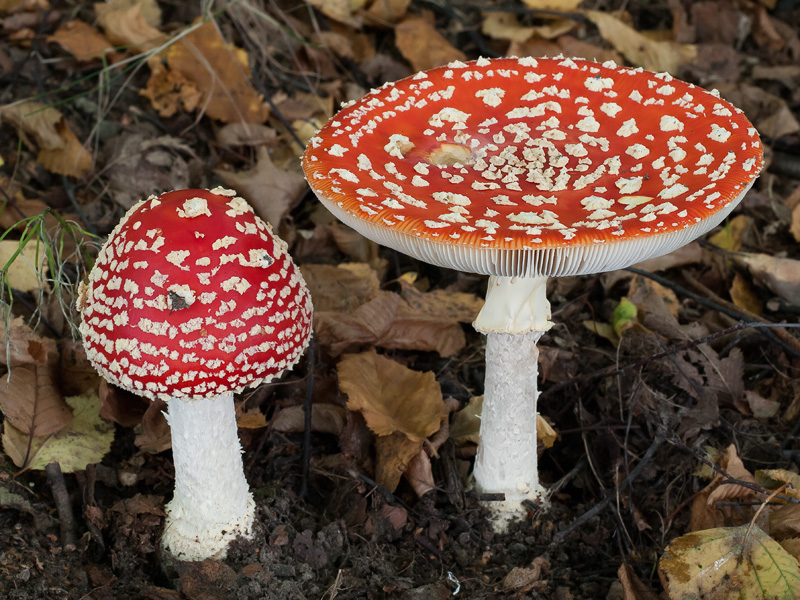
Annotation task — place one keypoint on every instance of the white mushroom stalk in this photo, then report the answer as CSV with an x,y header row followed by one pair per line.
x,y
212,504
515,315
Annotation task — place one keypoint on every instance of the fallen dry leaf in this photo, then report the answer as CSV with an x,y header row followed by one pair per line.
x,y
386,12
270,190
423,46
523,579
743,295
325,418
340,288
732,233
20,272
781,275
83,41
632,586
169,91
121,406
391,397
705,514
419,474
155,436
59,149
340,10
220,72
393,453
641,51
685,255
130,23
729,562
21,346
442,304
85,440
796,223
32,403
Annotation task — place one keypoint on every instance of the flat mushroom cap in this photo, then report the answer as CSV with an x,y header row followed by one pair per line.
x,y
534,167
193,296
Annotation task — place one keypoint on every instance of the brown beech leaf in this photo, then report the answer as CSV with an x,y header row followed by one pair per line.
x,y
781,275
784,522
423,46
392,398
131,24
365,325
393,453
121,406
155,436
270,190
419,474
19,345
59,149
220,72
340,288
31,402
640,50
705,514
416,330
442,304
83,41
325,418
77,376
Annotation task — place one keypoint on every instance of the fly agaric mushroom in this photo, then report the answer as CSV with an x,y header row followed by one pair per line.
x,y
192,299
524,169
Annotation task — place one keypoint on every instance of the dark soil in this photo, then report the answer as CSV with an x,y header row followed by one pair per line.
x,y
347,538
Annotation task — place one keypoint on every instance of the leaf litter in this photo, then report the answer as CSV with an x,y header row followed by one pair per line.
x,y
172,101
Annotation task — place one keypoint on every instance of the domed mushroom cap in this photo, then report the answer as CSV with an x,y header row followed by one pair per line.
x,y
534,167
193,296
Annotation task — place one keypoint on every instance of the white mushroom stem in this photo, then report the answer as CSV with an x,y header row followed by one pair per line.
x,y
516,314
212,504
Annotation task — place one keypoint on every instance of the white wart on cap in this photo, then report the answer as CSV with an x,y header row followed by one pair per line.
x,y
534,167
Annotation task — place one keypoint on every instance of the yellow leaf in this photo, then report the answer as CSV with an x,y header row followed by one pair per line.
x,y
390,396
730,236
744,296
545,432
730,563
23,275
652,55
603,330
83,442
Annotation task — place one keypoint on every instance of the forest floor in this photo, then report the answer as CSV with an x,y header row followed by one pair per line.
x,y
670,417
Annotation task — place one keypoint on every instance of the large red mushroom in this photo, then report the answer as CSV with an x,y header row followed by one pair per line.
x,y
524,169
192,299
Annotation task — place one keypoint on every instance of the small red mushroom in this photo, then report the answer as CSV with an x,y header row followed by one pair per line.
x,y
524,169
192,299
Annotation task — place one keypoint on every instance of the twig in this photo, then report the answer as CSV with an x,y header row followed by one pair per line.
x,y
610,495
61,496
788,339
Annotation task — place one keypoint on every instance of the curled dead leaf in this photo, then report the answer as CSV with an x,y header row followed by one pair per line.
x,y
391,397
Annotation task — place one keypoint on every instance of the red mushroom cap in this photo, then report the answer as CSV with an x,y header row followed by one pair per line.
x,y
507,166
193,296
